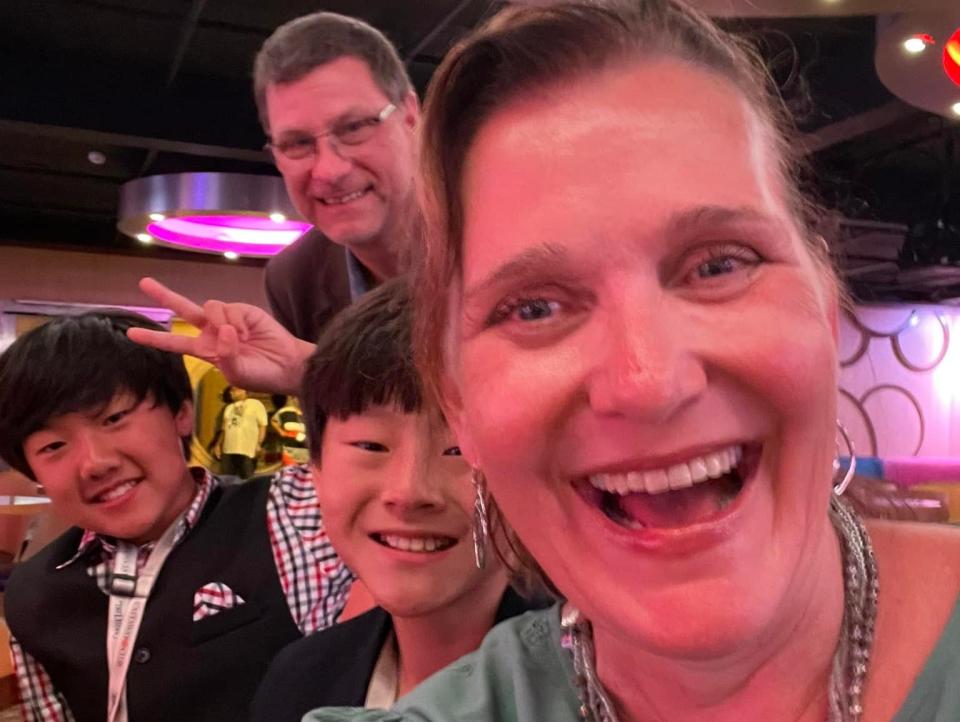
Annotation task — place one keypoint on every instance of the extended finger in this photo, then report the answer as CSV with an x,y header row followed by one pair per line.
x,y
165,341
180,305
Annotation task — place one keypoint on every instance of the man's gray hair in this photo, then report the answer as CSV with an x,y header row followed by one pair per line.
x,y
307,42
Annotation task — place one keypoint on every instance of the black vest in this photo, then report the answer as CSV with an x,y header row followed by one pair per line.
x,y
181,670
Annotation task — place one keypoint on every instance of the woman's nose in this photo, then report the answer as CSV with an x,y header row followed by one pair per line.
x,y
644,364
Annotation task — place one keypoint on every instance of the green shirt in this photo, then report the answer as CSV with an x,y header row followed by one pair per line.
x,y
521,674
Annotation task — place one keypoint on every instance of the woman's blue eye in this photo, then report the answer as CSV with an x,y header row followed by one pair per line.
x,y
527,310
535,310
724,260
452,451
718,266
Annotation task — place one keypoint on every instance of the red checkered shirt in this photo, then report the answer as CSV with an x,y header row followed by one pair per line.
x,y
314,579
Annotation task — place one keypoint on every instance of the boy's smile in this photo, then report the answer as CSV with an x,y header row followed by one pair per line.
x,y
117,491
118,471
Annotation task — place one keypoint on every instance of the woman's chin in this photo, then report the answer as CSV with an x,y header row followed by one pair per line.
x,y
699,624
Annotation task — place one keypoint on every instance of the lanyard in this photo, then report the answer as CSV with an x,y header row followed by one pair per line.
x,y
129,592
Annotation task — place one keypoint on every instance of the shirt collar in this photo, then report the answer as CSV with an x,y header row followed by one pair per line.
x,y
357,276
382,689
206,483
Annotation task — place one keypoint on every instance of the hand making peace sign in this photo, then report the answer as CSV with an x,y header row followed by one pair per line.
x,y
251,348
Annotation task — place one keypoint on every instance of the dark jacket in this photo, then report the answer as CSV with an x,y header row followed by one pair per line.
x,y
307,283
334,667
204,671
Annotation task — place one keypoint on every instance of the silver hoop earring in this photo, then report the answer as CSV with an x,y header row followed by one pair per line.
x,y
481,518
841,486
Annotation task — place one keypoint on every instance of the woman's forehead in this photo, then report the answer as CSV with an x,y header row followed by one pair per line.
x,y
613,154
650,94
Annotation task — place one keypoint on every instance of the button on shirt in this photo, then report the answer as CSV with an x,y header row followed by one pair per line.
x,y
315,581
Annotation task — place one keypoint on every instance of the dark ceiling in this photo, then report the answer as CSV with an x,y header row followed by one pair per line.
x,y
163,86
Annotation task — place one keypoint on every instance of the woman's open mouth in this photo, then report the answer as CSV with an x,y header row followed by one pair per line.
x,y
692,492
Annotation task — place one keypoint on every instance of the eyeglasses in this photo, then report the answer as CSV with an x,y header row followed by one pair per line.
x,y
347,133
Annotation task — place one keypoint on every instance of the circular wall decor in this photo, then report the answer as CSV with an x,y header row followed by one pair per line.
x,y
911,400
902,356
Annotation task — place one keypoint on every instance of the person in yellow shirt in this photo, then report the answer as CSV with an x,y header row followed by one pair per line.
x,y
244,427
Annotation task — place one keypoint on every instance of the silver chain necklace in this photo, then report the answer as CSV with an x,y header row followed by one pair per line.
x,y
850,661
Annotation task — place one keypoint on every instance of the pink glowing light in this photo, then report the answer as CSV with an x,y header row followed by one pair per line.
x,y
244,235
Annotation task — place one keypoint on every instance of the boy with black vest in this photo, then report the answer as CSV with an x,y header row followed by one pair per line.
x,y
172,593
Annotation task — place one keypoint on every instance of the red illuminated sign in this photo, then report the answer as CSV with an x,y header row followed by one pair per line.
x,y
951,57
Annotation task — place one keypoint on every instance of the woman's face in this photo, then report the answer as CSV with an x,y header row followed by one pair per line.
x,y
639,312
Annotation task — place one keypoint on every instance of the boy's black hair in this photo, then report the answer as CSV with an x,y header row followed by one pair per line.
x,y
364,358
79,363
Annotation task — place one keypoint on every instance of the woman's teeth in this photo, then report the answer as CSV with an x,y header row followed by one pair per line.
x,y
415,544
679,476
117,491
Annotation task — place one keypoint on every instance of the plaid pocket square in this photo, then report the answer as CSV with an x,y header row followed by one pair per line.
x,y
214,598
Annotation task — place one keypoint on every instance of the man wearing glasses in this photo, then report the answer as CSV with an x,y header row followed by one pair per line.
x,y
339,111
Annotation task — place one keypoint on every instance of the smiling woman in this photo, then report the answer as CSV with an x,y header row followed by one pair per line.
x,y
633,330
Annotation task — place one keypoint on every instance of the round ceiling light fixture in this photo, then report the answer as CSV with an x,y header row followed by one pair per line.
x,y
918,43
217,213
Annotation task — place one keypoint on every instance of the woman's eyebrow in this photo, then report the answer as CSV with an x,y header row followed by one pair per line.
x,y
531,261
699,218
